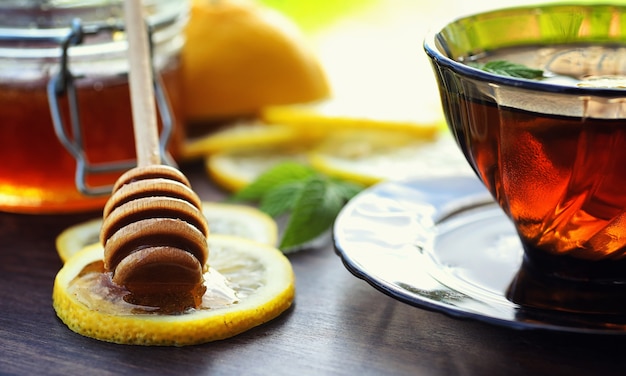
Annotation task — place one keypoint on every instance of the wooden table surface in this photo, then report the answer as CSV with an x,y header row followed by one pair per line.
x,y
339,325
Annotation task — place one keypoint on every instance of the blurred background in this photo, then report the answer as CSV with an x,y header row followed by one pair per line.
x,y
354,66
372,49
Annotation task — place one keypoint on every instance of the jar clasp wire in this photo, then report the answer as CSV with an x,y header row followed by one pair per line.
x,y
63,84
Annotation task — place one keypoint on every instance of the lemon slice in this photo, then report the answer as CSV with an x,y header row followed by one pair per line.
x,y
237,155
325,118
76,237
303,125
239,136
365,157
233,170
259,276
242,221
227,219
373,156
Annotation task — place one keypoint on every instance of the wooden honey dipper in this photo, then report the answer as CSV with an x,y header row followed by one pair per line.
x,y
153,231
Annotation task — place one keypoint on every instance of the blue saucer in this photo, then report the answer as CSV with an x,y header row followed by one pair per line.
x,y
442,244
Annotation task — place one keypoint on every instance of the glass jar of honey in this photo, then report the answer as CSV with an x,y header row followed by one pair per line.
x,y
65,113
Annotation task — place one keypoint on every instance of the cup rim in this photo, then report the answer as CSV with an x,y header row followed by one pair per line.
x,y
439,58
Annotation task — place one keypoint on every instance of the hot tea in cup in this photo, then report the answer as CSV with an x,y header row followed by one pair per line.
x,y
536,99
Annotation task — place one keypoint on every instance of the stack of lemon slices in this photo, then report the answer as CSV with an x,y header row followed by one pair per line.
x,y
241,252
361,149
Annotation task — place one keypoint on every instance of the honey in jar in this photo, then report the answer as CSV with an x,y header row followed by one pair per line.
x,y
39,173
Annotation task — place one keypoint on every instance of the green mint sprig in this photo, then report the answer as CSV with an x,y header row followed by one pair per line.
x,y
506,68
311,200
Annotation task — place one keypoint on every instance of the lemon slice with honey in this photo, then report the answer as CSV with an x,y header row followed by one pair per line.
x,y
226,219
248,284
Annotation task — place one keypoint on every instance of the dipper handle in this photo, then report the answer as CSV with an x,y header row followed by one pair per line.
x,y
141,86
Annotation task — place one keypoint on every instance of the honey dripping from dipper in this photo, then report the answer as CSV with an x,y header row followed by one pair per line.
x,y
154,237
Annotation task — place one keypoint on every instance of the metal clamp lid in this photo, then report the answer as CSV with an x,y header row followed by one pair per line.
x,y
62,84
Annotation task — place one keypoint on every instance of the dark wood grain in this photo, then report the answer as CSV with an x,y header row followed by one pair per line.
x,y
339,325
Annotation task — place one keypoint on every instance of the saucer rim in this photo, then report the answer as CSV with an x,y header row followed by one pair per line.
x,y
395,291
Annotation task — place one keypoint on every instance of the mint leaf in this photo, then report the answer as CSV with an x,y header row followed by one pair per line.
x,y
281,174
313,214
281,199
346,189
311,199
506,68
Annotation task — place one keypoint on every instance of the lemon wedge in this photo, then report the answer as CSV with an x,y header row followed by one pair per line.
x,y
226,219
240,56
259,277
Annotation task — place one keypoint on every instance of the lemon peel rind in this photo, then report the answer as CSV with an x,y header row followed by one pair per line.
x,y
175,330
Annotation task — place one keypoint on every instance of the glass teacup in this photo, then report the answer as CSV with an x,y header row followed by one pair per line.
x,y
550,147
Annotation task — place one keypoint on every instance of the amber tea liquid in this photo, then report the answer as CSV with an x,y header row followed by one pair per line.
x,y
561,178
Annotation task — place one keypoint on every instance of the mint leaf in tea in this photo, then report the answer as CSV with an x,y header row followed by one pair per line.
x,y
507,68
